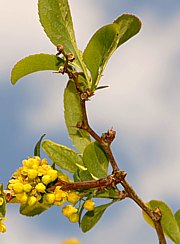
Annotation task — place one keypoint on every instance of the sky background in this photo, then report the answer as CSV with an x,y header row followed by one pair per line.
x,y
142,103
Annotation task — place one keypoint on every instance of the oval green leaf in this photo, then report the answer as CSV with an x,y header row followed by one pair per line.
x,y
56,20
105,41
91,218
73,115
34,63
129,26
31,211
95,160
168,221
177,217
63,156
99,49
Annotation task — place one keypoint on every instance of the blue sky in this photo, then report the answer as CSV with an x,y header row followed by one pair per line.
x,y
143,107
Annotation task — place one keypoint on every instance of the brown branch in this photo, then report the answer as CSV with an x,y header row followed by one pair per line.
x,y
116,176
103,183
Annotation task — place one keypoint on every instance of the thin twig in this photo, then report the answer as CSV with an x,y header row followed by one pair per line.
x,y
84,124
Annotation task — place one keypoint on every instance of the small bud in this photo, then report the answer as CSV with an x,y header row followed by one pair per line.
x,y
32,200
40,187
70,57
2,226
68,210
53,174
73,197
32,174
46,179
22,197
89,205
27,187
1,201
18,187
74,218
60,48
49,198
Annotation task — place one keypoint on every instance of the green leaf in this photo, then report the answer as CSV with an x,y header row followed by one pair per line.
x,y
95,160
168,221
105,41
82,175
38,146
3,202
34,63
111,193
63,156
129,25
99,49
177,217
91,218
56,20
73,115
37,209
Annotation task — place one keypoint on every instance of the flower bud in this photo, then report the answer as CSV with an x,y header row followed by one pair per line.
x,y
2,226
60,48
74,218
18,187
46,179
27,187
73,197
89,205
1,201
68,210
53,174
70,57
32,174
40,187
49,198
22,197
32,200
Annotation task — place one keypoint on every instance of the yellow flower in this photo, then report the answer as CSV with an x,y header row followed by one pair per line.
x,y
73,197
46,179
71,241
68,210
22,197
89,205
18,187
40,187
27,187
53,174
2,226
32,174
49,198
1,201
74,218
32,200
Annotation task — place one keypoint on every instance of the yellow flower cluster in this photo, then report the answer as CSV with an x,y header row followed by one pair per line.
x,y
2,226
29,182
29,186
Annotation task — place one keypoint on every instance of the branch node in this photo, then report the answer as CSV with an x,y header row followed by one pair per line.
x,y
109,136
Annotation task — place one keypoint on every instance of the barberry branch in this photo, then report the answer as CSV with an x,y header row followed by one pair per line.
x,y
105,141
